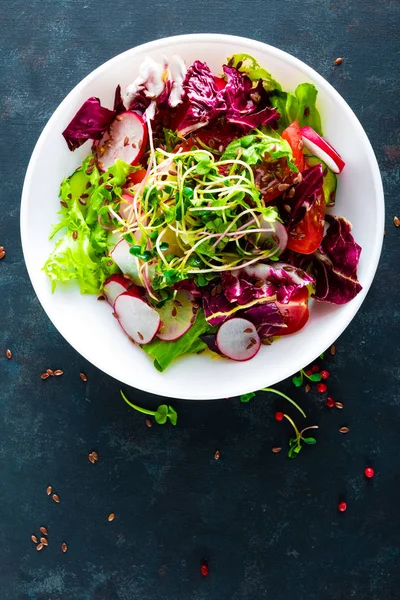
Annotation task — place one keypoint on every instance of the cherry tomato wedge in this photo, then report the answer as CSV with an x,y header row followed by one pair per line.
x,y
292,135
295,312
307,235
137,176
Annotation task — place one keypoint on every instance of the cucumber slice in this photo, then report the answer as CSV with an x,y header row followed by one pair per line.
x,y
330,180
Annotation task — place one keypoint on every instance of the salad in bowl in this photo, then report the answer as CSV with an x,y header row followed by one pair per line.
x,y
204,212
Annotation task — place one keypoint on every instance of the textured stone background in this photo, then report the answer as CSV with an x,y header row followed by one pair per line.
x,y
268,525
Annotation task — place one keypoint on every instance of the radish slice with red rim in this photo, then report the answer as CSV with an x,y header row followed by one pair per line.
x,y
238,339
114,287
139,320
126,139
177,316
322,149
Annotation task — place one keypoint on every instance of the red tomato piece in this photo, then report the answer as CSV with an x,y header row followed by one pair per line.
x,y
293,136
295,312
307,235
137,176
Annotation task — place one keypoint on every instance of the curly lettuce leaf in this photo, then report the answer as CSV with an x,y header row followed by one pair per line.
x,y
300,107
80,254
249,66
164,353
252,148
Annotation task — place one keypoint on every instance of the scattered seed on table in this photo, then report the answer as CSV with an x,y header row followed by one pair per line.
x,y
8,353
396,221
58,372
50,372
83,376
217,455
44,376
34,539
2,254
56,498
49,489
111,517
339,405
333,350
148,423
338,61
307,387
344,430
39,546
93,457
43,530
44,541
276,449
64,547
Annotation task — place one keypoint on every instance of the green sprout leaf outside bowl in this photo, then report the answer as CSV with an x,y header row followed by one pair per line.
x,y
163,413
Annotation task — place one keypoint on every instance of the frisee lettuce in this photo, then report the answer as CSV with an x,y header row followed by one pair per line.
x,y
80,254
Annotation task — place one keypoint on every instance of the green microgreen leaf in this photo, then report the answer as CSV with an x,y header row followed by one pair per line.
x,y
298,379
247,397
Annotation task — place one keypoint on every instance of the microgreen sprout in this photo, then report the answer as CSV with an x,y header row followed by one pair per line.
x,y
295,443
163,413
298,379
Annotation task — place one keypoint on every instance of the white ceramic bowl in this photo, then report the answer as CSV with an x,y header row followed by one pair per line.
x,y
88,325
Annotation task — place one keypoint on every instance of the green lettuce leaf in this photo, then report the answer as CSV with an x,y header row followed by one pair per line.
x,y
251,148
300,107
249,66
164,353
80,254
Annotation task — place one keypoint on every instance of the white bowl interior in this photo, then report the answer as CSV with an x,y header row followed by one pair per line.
x,y
88,325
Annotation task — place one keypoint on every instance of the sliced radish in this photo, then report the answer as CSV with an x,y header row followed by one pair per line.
x,y
238,339
139,321
128,263
114,287
126,139
322,149
177,316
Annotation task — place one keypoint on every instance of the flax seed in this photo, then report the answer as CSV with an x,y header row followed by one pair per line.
x,y
248,330
217,455
344,430
82,201
174,312
56,498
39,547
333,350
119,118
64,547
50,372
58,372
2,254
338,61
339,405
74,235
276,449
83,376
8,353
44,541
126,140
307,388
140,336
64,204
44,376
49,489
34,539
148,423
111,517
43,530
396,221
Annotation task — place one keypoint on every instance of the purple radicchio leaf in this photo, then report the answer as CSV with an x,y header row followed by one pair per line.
x,y
202,96
267,319
89,123
247,106
265,280
335,264
305,195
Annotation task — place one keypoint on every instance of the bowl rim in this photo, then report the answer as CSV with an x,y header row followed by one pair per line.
x,y
162,44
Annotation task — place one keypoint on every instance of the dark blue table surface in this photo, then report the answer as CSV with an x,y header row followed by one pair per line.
x,y
269,526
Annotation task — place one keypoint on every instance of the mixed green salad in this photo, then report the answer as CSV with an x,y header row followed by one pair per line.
x,y
200,214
